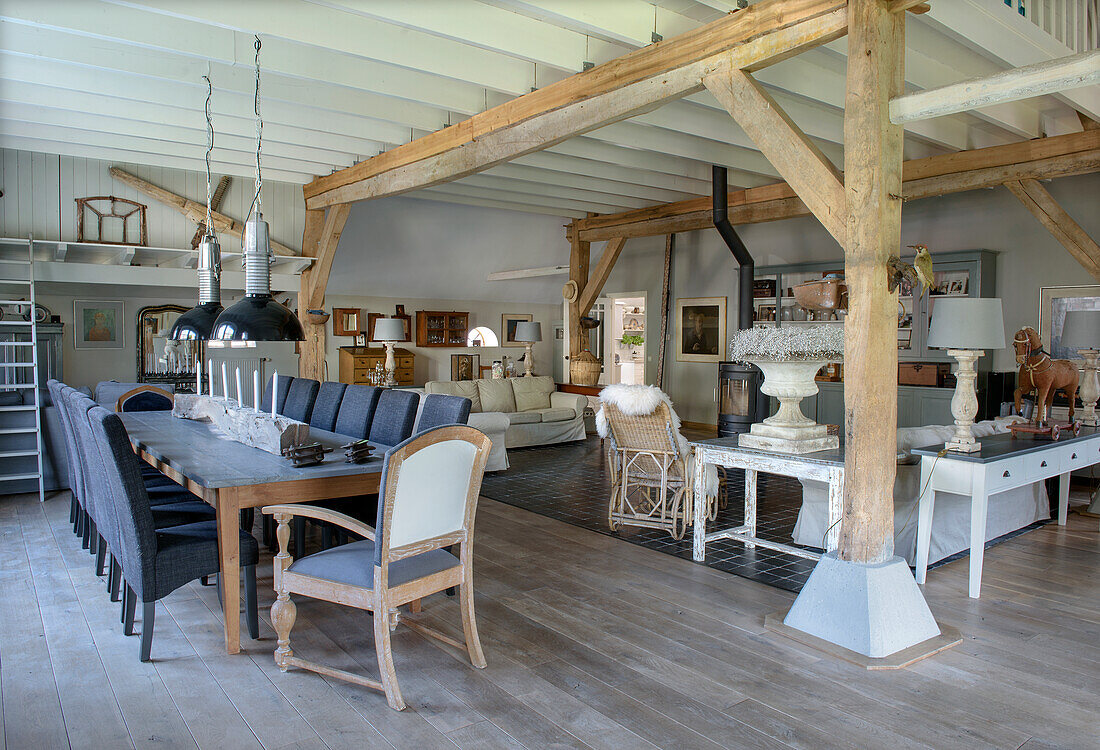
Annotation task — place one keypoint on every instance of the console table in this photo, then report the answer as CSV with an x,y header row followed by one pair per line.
x,y
1003,463
824,466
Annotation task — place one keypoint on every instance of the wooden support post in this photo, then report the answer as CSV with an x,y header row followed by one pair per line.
x,y
578,273
872,182
319,240
666,290
1059,223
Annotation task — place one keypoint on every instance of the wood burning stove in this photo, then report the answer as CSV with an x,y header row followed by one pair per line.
x,y
740,401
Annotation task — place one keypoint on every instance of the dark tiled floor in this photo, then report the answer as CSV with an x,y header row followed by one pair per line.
x,y
569,482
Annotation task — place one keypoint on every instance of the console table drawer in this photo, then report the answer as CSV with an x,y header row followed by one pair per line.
x,y
1045,464
1080,456
1005,475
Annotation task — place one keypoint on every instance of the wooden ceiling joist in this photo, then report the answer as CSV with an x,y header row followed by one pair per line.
x,y
1056,156
1059,223
762,34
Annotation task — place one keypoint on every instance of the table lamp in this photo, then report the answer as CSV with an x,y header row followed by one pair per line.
x,y
1081,331
389,330
528,333
966,326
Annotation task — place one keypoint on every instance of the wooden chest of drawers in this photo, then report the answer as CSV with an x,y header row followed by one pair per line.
x,y
357,362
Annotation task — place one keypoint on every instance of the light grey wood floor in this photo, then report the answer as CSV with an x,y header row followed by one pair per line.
x,y
591,642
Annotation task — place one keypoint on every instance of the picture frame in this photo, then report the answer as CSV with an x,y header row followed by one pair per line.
x,y
508,323
345,321
372,317
700,329
1054,303
465,367
99,324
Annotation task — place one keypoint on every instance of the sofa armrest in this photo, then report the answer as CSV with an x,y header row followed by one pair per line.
x,y
574,401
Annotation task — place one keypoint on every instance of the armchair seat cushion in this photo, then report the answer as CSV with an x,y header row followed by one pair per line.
x,y
353,564
187,552
560,414
523,417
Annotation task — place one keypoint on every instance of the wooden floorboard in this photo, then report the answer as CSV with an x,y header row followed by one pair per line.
x,y
591,642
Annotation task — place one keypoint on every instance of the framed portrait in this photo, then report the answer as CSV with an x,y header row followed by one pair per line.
x,y
98,324
508,322
465,366
700,329
1054,303
345,321
373,317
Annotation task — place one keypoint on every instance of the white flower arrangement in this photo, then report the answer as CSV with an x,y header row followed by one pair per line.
x,y
789,343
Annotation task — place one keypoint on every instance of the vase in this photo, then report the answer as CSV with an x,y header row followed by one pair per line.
x,y
789,430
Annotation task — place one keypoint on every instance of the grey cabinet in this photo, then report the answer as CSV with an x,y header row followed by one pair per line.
x,y
917,406
14,415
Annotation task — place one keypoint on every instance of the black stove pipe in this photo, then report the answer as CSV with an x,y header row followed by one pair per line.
x,y
747,270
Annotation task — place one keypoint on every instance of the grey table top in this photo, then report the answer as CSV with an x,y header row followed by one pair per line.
x,y
1000,446
197,451
831,457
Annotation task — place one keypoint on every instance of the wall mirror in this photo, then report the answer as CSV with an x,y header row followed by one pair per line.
x,y
158,359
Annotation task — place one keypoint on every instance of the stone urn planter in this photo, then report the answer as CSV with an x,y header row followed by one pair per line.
x,y
789,359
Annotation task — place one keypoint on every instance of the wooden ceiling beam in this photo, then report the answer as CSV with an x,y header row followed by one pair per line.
x,y
913,6
1059,223
599,275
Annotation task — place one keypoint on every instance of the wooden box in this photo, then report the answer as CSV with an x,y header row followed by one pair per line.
x,y
919,373
441,328
357,362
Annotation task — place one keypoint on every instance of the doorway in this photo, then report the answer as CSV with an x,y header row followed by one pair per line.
x,y
625,332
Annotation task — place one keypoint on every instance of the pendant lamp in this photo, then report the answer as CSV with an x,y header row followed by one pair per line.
x,y
258,316
197,323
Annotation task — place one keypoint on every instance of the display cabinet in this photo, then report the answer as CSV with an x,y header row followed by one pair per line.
x,y
441,328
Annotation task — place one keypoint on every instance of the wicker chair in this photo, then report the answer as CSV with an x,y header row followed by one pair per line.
x,y
651,477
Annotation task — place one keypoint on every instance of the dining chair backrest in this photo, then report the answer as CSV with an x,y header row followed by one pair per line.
x,y
394,417
429,489
327,406
357,410
438,409
145,398
300,398
75,478
280,397
95,500
128,501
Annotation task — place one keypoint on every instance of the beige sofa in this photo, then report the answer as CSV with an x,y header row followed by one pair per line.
x,y
537,413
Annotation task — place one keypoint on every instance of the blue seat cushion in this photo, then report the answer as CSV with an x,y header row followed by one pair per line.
x,y
187,552
353,564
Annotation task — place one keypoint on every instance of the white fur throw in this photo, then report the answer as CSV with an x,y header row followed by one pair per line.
x,y
640,400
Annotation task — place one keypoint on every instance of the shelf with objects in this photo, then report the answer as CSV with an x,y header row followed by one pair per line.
x,y
627,340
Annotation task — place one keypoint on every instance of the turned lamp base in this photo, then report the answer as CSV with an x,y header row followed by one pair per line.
x,y
391,366
964,404
1090,386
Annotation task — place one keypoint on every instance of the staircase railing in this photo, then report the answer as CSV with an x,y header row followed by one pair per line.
x,y
1075,23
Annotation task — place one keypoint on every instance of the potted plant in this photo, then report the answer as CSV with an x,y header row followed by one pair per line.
x,y
631,339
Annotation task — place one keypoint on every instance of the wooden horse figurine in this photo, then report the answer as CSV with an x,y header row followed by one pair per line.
x,y
1041,373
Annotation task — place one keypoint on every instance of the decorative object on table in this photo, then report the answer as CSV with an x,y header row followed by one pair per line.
x,y
1041,373
498,370
358,452
345,321
528,333
907,276
465,366
309,454
112,207
258,316
1054,303
99,324
650,462
701,328
1081,331
827,294
269,432
790,359
508,325
389,330
584,369
965,327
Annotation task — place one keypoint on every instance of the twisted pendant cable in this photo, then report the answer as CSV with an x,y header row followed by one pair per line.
x,y
209,148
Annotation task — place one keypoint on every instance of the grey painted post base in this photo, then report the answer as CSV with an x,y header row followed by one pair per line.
x,y
873,610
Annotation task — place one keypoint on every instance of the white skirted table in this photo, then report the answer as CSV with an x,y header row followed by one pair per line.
x,y
824,466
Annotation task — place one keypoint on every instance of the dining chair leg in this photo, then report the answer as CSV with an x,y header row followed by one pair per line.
x,y
382,648
148,615
326,536
251,614
114,576
221,602
100,555
78,527
93,541
86,533
73,507
248,519
267,531
129,608
299,537
469,622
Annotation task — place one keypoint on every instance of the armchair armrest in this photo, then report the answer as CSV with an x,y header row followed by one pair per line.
x,y
342,520
574,401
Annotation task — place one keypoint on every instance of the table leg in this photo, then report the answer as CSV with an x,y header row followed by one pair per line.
x,y
699,521
229,550
926,506
979,506
836,503
750,505
1063,498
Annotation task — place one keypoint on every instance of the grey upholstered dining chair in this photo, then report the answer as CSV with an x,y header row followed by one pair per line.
x,y
327,406
394,417
155,561
357,410
145,398
439,409
75,480
430,486
280,397
300,398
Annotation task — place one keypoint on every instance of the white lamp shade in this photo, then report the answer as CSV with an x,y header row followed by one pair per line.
x,y
967,323
389,329
1081,329
528,331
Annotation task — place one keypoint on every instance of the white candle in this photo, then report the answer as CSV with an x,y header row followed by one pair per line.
x,y
240,393
198,377
225,380
210,375
256,389
274,391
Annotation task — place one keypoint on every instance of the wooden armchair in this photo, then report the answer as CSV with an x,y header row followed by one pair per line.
x,y
428,496
145,398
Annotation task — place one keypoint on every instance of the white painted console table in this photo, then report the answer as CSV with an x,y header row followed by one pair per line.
x,y
824,466
1003,463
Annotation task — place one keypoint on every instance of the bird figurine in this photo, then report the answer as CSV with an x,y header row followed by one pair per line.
x,y
917,273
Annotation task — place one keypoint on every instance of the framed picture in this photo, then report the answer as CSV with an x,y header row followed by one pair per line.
x,y
372,317
700,329
465,366
1054,303
99,324
345,321
508,323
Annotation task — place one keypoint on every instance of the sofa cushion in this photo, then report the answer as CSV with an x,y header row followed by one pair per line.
x,y
523,417
465,388
533,393
496,395
559,414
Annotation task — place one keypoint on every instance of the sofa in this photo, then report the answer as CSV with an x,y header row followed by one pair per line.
x,y
537,413
1008,511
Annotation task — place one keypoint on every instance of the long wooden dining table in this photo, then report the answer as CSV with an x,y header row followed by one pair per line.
x,y
232,476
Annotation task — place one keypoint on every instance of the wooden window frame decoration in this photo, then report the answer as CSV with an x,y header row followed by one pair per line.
x,y
345,321
113,213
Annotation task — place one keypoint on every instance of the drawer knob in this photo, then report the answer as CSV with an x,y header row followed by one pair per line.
x,y
1043,464
1006,474
1072,456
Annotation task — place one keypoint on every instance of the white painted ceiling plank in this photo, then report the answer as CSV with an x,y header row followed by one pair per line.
x,y
431,195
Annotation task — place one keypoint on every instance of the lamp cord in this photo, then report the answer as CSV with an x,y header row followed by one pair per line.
x,y
256,204
209,148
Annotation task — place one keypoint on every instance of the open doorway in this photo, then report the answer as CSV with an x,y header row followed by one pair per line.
x,y
625,331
